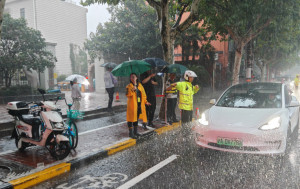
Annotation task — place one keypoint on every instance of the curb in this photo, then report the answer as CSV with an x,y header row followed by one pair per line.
x,y
56,170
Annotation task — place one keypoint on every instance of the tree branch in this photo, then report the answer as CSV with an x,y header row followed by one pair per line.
x,y
191,18
180,16
157,6
257,32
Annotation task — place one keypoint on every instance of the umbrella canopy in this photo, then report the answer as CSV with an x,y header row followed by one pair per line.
x,y
131,66
109,65
156,62
175,68
80,79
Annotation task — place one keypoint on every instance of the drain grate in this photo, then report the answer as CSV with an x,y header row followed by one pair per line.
x,y
4,170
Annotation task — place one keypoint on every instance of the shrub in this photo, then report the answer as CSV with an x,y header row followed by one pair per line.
x,y
18,90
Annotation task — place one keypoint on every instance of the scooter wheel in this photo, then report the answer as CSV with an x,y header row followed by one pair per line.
x,y
61,150
21,147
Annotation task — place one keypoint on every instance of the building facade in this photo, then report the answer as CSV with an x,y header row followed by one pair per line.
x,y
60,22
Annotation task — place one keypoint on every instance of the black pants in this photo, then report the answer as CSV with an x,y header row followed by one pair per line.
x,y
110,92
186,116
151,109
171,106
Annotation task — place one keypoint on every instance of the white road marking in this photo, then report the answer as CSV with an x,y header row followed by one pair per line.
x,y
93,130
147,173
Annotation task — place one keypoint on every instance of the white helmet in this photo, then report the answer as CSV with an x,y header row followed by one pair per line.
x,y
189,73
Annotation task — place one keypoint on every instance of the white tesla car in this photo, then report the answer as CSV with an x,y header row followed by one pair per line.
x,y
258,118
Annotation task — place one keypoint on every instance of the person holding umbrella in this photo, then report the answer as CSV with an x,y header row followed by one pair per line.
x,y
110,82
76,94
148,82
171,94
136,101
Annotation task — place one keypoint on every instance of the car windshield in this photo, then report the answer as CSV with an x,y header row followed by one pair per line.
x,y
255,95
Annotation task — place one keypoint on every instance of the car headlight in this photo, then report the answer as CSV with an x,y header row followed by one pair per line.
x,y
203,119
272,124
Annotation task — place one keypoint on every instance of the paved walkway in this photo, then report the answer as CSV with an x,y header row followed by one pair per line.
x,y
89,101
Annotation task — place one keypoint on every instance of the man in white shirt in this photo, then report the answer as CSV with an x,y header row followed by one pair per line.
x,y
110,82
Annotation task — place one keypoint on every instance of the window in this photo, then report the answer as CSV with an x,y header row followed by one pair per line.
x,y
22,12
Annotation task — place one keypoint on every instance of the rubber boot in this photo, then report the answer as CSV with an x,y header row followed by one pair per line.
x,y
135,131
131,135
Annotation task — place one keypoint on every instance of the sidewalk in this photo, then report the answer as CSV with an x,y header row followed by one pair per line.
x,y
35,165
89,101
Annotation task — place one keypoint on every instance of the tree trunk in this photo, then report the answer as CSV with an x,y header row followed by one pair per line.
x,y
237,63
263,73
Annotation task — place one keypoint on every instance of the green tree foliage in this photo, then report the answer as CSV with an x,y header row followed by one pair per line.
x,y
278,45
244,20
78,59
21,46
169,18
132,32
2,3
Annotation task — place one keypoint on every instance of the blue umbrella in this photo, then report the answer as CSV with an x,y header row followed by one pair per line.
x,y
156,62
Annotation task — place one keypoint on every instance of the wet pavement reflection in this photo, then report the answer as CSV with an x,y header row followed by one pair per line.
x,y
194,167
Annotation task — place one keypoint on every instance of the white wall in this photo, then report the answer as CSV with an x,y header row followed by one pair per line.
x,y
99,76
59,22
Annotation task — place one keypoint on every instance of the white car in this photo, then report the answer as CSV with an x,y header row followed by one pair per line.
x,y
258,118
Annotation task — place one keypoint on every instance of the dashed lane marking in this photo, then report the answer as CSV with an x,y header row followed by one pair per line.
x,y
93,130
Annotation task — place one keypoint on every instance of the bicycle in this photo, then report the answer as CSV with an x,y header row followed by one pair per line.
x,y
71,131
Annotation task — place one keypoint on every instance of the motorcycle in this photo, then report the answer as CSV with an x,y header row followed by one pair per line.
x,y
41,128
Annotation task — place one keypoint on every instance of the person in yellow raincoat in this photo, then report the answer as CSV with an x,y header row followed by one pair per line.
x,y
136,101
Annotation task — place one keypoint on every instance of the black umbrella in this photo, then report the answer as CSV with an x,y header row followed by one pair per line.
x,y
156,62
109,65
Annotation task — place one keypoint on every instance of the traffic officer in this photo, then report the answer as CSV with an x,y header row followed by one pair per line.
x,y
296,82
186,92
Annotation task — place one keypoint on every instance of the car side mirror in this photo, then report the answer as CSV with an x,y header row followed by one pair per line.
x,y
212,101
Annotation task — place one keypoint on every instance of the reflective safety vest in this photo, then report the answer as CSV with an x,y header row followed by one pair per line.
x,y
296,82
186,92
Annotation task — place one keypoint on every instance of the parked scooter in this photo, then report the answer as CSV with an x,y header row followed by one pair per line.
x,y
44,128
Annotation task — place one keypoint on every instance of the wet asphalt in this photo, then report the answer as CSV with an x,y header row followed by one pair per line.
x,y
192,167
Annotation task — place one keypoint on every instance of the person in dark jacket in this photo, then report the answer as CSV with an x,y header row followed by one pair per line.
x,y
148,82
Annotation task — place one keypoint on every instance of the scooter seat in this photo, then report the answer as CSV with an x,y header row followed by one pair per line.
x,y
31,120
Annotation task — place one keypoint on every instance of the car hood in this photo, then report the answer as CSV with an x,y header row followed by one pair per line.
x,y
224,117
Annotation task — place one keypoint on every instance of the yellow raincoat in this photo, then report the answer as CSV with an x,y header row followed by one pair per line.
x,y
132,103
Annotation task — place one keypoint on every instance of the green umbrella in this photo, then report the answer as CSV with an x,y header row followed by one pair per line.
x,y
131,66
175,68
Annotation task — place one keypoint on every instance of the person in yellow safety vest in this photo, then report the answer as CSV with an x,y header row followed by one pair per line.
x,y
296,81
186,92
171,97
